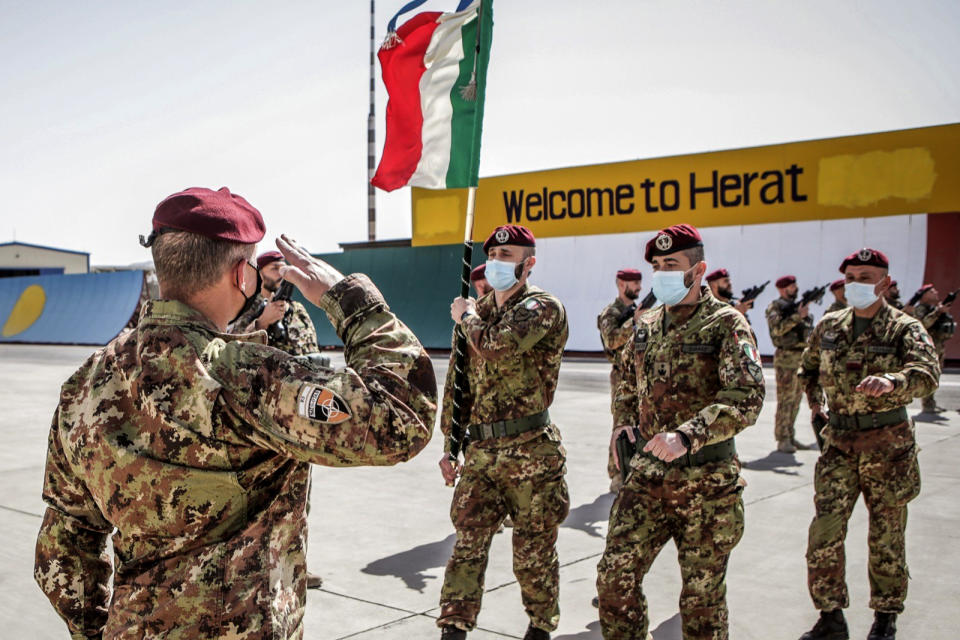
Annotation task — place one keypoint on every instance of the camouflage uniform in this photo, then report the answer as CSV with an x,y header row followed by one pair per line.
x,y
191,448
879,461
513,361
614,334
301,336
836,305
701,375
941,328
789,333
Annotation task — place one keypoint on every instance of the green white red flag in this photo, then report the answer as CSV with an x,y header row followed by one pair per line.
x,y
435,70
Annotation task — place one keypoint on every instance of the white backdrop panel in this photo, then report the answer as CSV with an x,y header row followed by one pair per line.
x,y
581,270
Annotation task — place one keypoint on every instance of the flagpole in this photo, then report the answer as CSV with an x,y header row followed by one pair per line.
x,y
458,437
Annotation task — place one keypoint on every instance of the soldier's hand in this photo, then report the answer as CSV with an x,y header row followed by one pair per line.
x,y
804,310
459,306
874,386
666,446
817,410
450,470
312,276
743,307
271,313
613,442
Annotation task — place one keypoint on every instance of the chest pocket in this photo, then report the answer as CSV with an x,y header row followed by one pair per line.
x,y
881,358
705,349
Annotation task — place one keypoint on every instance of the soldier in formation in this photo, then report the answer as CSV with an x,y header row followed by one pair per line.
x,y
478,279
722,289
692,380
940,325
615,323
870,360
790,325
839,298
191,447
514,464
893,296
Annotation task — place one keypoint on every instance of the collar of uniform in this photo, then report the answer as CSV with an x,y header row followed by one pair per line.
x,y
176,313
490,301
846,320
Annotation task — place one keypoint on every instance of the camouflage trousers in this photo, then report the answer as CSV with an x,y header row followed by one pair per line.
x,y
789,394
526,482
889,478
701,509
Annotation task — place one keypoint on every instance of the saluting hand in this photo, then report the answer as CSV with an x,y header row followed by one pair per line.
x,y
666,446
312,276
874,386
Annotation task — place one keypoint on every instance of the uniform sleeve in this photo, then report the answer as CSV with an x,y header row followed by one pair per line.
x,y
738,403
518,330
779,324
71,566
378,410
626,410
614,335
920,374
929,318
809,373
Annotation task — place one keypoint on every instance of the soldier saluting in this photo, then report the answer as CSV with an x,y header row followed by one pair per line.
x,y
615,323
692,380
190,446
514,464
871,360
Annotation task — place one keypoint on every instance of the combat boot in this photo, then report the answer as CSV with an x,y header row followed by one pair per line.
x,y
884,626
533,633
831,626
785,446
450,632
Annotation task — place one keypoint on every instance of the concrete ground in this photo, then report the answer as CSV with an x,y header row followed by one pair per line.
x,y
381,537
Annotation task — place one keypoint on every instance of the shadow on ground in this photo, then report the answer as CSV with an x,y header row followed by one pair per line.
x,y
588,517
783,463
669,629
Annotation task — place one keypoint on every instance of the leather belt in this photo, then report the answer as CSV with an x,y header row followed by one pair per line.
x,y
723,450
512,427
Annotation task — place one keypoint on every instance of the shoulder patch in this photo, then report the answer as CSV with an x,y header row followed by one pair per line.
x,y
754,364
321,404
532,304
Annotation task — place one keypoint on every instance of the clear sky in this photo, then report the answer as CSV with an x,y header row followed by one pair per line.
x,y
107,107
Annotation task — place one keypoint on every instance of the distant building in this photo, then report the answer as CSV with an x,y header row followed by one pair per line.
x,y
23,259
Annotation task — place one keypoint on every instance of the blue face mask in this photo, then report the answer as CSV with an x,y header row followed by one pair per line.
x,y
859,294
501,275
668,287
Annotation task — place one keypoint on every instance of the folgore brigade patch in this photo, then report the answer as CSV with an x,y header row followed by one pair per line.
x,y
322,404
754,366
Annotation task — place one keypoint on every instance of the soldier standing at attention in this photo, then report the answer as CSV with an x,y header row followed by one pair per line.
x,y
839,298
616,329
190,446
790,326
871,360
694,380
722,290
299,336
514,464
940,325
893,296
478,279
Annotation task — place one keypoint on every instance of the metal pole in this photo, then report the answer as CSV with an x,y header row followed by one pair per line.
x,y
371,141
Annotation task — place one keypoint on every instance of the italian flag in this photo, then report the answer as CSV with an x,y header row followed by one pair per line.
x,y
435,70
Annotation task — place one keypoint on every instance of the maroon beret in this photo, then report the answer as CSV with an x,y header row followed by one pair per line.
x,y
922,290
479,273
786,281
716,275
866,257
215,214
629,275
837,284
893,283
672,239
267,257
510,234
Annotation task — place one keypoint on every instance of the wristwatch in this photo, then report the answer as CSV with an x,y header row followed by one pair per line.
x,y
892,378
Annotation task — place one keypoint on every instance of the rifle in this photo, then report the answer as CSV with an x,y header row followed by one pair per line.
x,y
752,293
626,314
950,298
278,330
810,295
648,301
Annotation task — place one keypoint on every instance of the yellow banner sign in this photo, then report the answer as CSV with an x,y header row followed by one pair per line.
x,y
909,171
